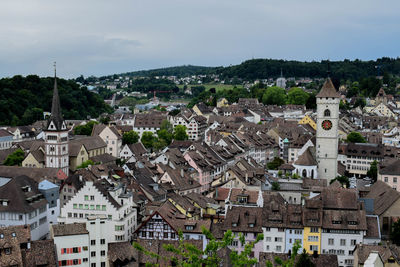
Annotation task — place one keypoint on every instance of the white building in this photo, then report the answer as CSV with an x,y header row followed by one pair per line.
x,y
103,199
111,136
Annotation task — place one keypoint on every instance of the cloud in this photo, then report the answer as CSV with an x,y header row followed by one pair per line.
x,y
98,37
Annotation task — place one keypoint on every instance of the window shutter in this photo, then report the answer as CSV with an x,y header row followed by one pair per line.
x,y
62,251
79,250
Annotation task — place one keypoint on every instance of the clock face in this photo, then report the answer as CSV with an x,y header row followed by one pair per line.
x,y
326,125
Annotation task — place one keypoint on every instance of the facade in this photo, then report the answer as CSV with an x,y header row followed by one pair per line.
x,y
110,136
6,139
103,199
51,192
327,130
391,175
56,137
72,244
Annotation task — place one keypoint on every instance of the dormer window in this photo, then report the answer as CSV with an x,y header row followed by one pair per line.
x,y
352,222
336,222
13,234
251,225
234,224
242,199
1,236
189,227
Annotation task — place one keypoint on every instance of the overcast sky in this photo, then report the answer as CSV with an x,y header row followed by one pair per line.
x,y
105,37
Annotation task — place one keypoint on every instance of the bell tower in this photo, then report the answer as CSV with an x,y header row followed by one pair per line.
x,y
56,135
328,100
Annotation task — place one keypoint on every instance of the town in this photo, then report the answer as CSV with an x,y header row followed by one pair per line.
x,y
248,179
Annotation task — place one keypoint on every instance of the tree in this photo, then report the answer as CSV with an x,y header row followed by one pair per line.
x,y
147,139
355,137
274,96
395,233
273,165
15,158
165,135
85,129
290,262
373,171
159,143
180,133
85,164
304,260
186,254
275,186
297,96
31,115
360,102
130,137
343,180
166,125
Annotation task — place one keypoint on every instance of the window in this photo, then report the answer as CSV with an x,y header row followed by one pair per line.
x,y
327,113
92,198
353,242
103,207
268,239
386,179
75,250
278,248
102,253
92,242
313,248
85,259
234,243
7,251
102,241
42,220
395,180
165,226
151,234
313,238
165,235
172,235
102,264
93,265
86,197
85,248
343,242
314,230
278,239
331,242
143,234
93,254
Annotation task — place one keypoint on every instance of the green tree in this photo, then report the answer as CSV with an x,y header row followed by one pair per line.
x,y
304,260
85,164
343,180
360,102
275,186
31,115
15,158
274,96
297,96
373,171
130,137
291,261
395,233
180,133
355,137
159,143
85,129
188,255
147,139
165,135
166,125
275,163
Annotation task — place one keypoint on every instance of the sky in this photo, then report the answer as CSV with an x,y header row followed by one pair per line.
x,y
102,37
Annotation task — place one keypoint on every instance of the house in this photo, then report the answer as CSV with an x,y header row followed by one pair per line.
x,y
196,127
222,102
390,174
110,136
23,204
179,181
132,152
389,255
72,244
6,139
149,122
101,198
17,248
383,201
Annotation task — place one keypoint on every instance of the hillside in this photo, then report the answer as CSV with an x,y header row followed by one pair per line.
x,y
23,100
271,68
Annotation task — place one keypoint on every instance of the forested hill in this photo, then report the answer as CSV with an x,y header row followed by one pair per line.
x,y
271,68
23,100
179,71
347,69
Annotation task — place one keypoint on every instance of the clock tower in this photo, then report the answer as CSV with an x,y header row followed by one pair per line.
x,y
328,100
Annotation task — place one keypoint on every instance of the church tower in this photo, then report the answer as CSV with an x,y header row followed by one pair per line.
x,y
328,100
56,135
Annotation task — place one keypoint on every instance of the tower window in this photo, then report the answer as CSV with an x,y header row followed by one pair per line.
x,y
327,113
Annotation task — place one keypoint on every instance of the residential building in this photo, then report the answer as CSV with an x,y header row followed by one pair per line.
x,y
390,175
110,136
6,139
102,198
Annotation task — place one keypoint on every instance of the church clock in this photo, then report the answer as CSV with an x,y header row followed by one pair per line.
x,y
326,125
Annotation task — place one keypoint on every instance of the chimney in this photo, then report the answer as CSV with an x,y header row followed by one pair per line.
x,y
182,174
80,178
216,192
247,177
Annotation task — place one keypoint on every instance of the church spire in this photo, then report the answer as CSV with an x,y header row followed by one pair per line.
x,y
55,116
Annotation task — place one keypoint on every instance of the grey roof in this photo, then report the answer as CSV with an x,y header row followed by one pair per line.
x,y
55,116
69,229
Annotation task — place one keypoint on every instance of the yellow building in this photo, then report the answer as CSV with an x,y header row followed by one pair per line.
x,y
312,239
308,120
34,159
222,102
